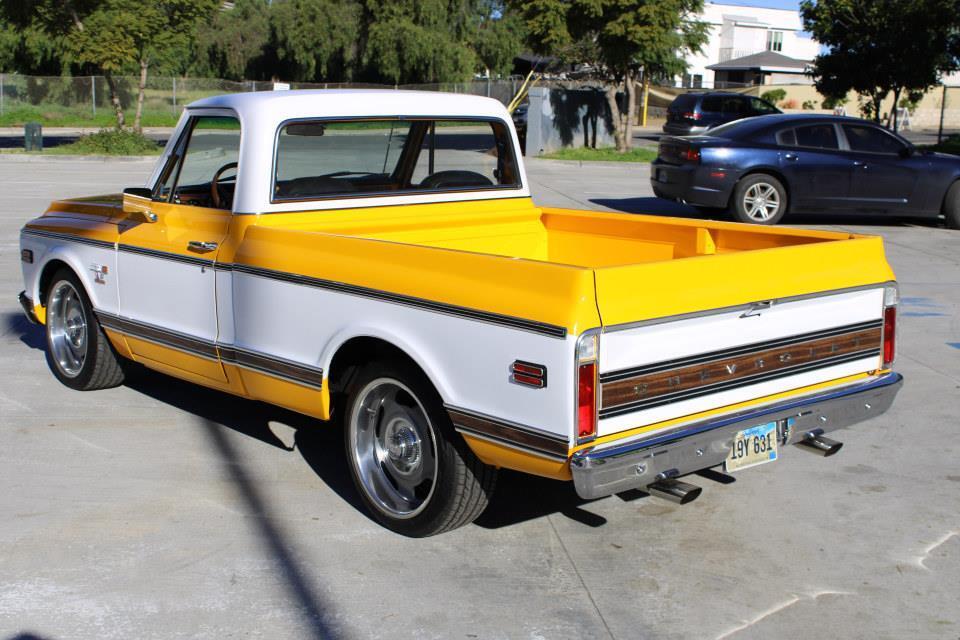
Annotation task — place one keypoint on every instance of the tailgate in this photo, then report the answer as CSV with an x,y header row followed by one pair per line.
x,y
737,327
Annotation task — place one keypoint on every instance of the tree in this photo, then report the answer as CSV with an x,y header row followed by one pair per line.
x,y
619,40
426,41
314,39
882,46
498,37
232,43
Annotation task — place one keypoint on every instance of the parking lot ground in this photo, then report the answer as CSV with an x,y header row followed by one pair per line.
x,y
163,510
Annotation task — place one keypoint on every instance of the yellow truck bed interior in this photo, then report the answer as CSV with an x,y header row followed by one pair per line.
x,y
578,238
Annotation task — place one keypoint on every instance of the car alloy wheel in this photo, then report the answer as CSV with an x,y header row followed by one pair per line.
x,y
67,329
761,202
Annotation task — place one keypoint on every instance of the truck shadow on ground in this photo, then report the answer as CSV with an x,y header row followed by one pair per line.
x,y
518,498
654,206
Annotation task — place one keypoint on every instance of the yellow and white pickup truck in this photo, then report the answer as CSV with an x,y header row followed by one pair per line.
x,y
375,257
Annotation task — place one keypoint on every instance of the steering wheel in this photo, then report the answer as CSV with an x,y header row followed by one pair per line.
x,y
215,194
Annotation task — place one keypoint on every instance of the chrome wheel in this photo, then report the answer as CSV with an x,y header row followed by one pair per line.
x,y
67,329
393,448
761,202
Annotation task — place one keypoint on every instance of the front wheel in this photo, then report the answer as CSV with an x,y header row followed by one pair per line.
x,y
415,474
78,352
759,199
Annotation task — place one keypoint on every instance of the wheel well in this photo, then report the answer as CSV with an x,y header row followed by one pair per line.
x,y
356,352
47,275
767,171
943,201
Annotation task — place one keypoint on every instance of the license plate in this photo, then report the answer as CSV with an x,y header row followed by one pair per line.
x,y
753,446
661,175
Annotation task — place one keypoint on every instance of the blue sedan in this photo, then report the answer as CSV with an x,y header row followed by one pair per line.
x,y
765,167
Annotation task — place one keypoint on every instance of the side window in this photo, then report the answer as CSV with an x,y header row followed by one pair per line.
x,y
819,136
317,159
787,138
734,106
711,104
871,139
209,152
759,106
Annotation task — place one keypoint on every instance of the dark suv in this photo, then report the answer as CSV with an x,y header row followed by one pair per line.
x,y
693,113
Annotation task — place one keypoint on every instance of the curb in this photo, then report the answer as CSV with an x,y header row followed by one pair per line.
x,y
589,163
28,158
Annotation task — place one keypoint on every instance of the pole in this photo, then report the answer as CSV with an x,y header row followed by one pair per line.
x,y
1,94
174,94
646,98
93,94
943,107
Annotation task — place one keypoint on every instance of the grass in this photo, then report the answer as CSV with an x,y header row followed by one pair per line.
x,y
106,142
609,154
59,116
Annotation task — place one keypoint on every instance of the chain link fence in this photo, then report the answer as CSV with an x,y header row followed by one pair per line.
x,y
85,102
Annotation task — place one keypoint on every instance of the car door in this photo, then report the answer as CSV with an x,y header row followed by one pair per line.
x,y
167,288
818,172
884,178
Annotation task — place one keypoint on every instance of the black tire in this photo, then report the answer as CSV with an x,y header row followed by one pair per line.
x,y
94,363
951,206
767,191
461,486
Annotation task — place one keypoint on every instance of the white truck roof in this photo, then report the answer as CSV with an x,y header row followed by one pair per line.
x,y
262,112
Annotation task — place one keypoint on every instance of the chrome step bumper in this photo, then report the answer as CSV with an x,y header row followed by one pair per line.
x,y
637,463
27,305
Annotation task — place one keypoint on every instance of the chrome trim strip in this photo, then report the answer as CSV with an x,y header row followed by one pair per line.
x,y
533,326
272,366
55,235
163,337
664,365
165,255
517,436
735,384
740,307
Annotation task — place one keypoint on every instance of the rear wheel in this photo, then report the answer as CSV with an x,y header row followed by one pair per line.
x,y
415,474
78,352
951,206
759,199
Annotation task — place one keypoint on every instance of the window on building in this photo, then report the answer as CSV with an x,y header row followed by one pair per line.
x,y
774,40
697,81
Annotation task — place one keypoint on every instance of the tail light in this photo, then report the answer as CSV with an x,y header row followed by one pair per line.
x,y
587,350
691,115
692,154
891,297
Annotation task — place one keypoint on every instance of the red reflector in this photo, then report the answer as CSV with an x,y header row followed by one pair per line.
x,y
717,174
889,336
586,401
527,369
692,155
532,381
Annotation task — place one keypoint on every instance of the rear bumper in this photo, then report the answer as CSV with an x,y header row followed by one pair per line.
x,y
685,183
637,463
27,305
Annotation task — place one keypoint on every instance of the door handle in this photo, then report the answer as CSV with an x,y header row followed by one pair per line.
x,y
201,247
791,157
858,163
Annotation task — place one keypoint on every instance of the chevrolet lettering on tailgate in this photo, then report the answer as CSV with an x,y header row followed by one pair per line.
x,y
374,259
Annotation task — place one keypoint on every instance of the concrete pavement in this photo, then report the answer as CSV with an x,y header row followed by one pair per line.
x,y
162,510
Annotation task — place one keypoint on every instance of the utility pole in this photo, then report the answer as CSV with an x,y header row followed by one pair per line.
x,y
943,107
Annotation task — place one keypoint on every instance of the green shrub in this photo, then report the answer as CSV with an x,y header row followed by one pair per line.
x,y
112,142
833,103
774,96
809,105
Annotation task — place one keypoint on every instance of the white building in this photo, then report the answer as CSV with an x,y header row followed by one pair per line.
x,y
750,45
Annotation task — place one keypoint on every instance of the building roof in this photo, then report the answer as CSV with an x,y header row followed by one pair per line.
x,y
763,61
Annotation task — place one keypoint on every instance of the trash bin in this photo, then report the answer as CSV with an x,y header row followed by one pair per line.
x,y
33,137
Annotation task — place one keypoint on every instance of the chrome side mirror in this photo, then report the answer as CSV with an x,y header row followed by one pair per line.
x,y
137,201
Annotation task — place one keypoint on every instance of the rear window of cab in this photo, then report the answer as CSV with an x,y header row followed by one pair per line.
x,y
317,159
